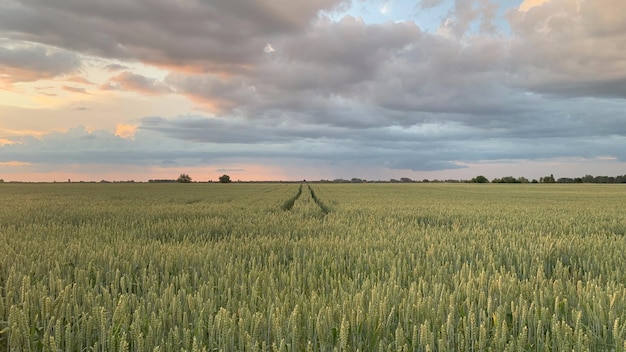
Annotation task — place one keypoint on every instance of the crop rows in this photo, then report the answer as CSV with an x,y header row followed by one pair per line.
x,y
292,200
325,209
402,267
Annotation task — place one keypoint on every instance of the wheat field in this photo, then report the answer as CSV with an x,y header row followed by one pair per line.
x,y
312,267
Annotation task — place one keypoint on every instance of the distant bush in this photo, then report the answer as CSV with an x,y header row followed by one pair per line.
x,y
479,179
184,178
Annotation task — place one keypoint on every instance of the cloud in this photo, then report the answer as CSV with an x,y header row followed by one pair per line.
x,y
230,170
14,163
75,89
76,145
134,82
428,4
567,48
27,62
115,67
306,74
529,4
465,14
217,34
125,131
79,80
199,140
385,8
268,48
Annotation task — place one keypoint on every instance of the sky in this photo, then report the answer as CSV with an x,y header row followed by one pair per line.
x,y
319,89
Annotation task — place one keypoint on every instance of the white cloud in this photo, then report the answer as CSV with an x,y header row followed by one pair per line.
x,y
268,48
385,8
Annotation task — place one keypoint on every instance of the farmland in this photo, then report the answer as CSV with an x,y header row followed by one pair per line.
x,y
318,267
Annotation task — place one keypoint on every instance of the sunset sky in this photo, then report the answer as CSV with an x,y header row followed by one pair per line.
x,y
316,89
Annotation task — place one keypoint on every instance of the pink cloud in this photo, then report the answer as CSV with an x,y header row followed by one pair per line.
x,y
125,131
79,79
529,4
129,81
75,89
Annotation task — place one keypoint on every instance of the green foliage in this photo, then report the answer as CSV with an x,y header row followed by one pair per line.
x,y
510,179
479,179
224,179
184,178
416,267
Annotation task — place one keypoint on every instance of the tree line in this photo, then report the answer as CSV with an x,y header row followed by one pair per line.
x,y
185,178
551,179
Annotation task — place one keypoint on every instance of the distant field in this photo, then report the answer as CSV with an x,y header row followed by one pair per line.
x,y
317,267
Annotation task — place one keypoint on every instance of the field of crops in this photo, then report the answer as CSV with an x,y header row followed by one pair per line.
x,y
312,267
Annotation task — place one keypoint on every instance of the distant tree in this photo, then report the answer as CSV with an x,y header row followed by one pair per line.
x,y
183,178
405,179
224,179
509,179
604,179
587,179
547,179
356,180
1,180
565,180
479,179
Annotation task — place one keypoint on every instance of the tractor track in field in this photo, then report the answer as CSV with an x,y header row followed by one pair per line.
x,y
289,203
325,209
